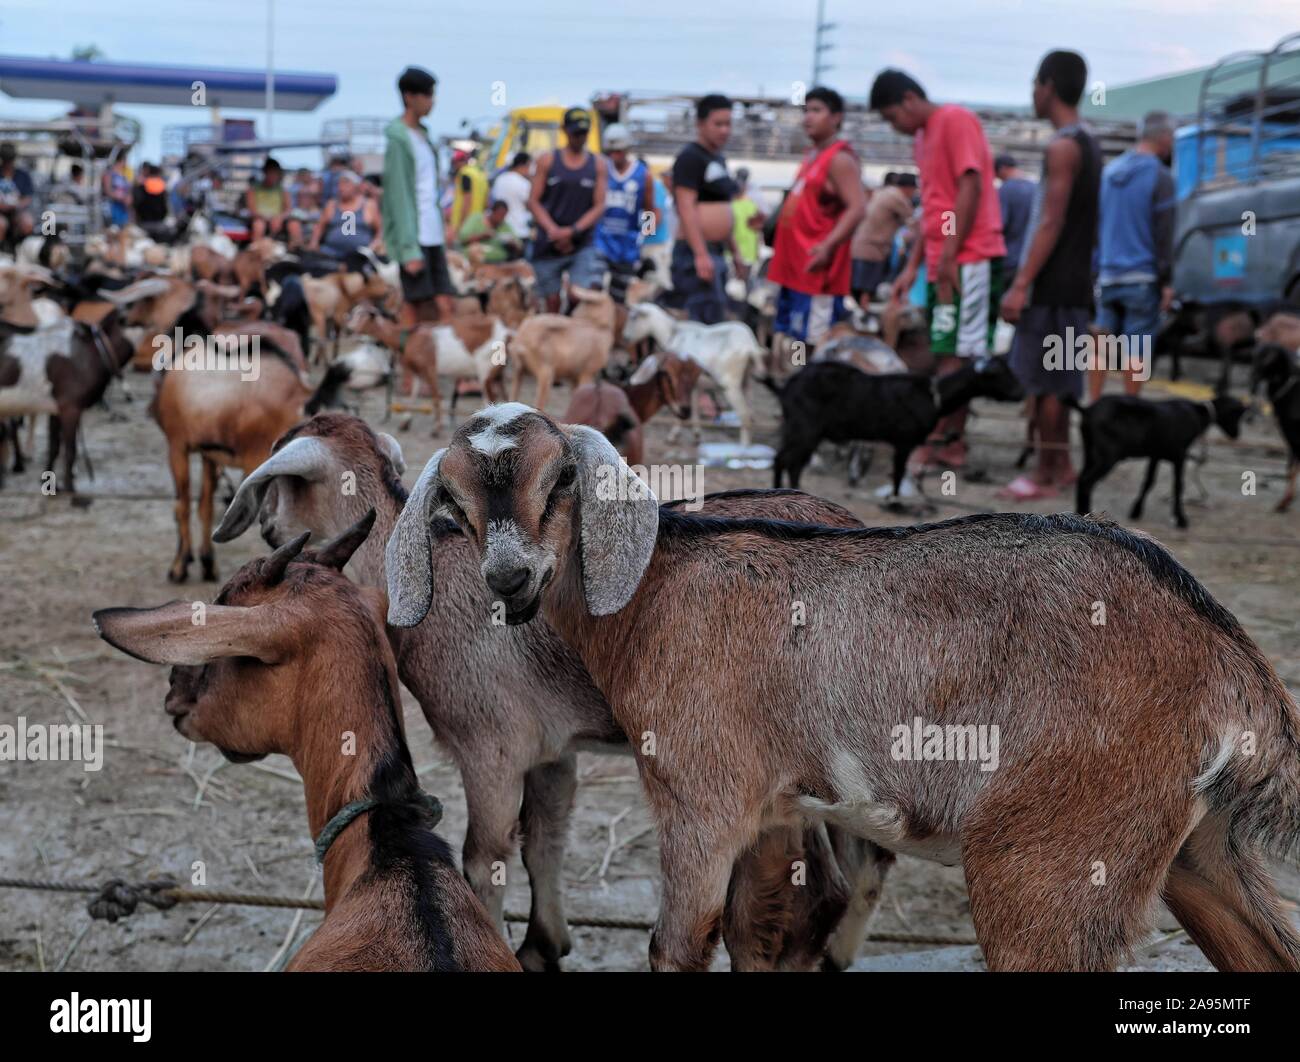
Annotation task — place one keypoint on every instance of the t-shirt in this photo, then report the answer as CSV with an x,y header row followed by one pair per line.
x,y
888,210
745,238
512,189
1017,199
429,228
17,185
494,249
705,172
951,144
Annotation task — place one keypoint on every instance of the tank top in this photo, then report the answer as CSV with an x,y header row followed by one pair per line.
x,y
338,240
1066,276
808,214
567,196
618,234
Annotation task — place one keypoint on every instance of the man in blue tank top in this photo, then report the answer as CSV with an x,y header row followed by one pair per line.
x,y
567,200
629,211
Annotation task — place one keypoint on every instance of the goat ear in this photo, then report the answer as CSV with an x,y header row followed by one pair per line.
x,y
406,557
338,551
646,370
306,457
619,523
392,450
181,633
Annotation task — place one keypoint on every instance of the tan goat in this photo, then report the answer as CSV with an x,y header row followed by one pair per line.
x,y
550,346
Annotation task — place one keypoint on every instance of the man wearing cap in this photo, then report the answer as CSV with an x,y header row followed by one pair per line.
x,y
15,196
413,231
629,195
567,200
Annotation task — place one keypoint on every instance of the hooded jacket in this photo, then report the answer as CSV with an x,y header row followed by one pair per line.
x,y
1135,242
398,207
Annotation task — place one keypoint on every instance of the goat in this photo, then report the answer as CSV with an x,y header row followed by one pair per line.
x,y
292,655
551,346
512,704
725,351
1275,367
620,412
1159,748
467,347
62,371
837,401
1118,426
228,421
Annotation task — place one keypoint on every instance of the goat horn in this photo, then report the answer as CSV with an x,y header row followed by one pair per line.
x,y
305,457
274,565
338,551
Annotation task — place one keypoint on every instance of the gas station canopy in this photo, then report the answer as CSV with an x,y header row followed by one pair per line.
x,y
96,83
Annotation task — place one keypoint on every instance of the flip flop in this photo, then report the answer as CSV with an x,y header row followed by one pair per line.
x,y
1023,489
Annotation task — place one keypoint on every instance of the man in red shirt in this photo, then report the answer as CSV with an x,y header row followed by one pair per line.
x,y
811,259
961,242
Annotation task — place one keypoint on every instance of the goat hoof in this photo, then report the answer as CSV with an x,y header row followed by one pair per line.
x,y
209,569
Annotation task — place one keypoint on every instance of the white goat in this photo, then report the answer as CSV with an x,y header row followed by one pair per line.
x,y
724,351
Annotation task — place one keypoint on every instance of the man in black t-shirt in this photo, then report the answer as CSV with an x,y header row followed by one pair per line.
x,y
700,177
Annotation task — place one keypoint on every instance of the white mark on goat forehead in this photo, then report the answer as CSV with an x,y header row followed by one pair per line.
x,y
492,437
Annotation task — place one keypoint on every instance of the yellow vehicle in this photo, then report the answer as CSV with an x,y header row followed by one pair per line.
x,y
535,130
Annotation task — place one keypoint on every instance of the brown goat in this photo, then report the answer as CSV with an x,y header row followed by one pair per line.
x,y
550,346
292,656
945,691
620,412
511,704
227,420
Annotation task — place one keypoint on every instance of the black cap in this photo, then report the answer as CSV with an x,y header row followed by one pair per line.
x,y
8,151
577,118
1004,160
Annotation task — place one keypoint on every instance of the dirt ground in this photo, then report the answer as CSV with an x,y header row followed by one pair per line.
x,y
162,805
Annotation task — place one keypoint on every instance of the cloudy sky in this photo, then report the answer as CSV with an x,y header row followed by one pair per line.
x,y
564,50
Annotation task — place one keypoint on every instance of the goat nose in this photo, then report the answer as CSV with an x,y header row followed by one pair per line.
x,y
509,583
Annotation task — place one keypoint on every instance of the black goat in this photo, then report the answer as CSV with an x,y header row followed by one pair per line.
x,y
835,401
1276,368
1118,426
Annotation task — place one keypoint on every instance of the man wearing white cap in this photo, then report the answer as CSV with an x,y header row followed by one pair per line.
x,y
629,201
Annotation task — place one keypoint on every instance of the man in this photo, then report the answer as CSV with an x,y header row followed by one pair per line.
x,y
702,193
567,200
15,196
747,233
629,192
960,240
888,210
413,231
349,222
488,237
269,206
1016,197
810,259
512,187
1136,243
149,202
1050,299
329,185
471,191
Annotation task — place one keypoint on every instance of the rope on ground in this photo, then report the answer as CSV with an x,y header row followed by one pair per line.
x,y
117,898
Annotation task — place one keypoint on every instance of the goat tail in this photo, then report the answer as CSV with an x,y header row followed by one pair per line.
x,y
326,395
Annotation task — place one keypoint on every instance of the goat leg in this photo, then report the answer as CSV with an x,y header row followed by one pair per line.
x,y
1292,470
1180,517
1148,482
548,802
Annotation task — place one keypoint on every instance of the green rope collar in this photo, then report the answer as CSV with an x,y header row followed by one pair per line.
x,y
346,814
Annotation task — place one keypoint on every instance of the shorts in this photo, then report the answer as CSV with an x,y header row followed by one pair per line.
x,y
1044,353
1129,310
807,317
703,301
433,279
585,267
966,326
867,276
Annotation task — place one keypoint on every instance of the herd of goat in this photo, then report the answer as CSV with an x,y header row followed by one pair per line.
x,y
756,657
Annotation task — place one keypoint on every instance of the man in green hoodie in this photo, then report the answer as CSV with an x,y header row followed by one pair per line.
x,y
413,232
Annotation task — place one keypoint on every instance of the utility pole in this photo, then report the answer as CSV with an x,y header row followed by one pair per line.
x,y
270,67
820,44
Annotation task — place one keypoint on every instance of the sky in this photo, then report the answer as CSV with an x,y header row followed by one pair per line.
x,y
564,51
